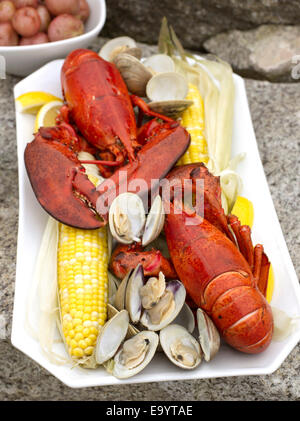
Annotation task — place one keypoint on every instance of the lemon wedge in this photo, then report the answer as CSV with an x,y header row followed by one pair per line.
x,y
47,114
31,102
270,287
243,209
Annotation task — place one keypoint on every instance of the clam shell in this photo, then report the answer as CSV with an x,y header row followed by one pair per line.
x,y
112,311
121,372
111,336
169,335
111,46
126,218
166,87
133,301
160,63
112,288
170,108
209,337
121,292
154,222
186,318
134,73
179,293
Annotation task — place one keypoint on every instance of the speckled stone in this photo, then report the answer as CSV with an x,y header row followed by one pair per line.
x,y
268,52
275,110
195,21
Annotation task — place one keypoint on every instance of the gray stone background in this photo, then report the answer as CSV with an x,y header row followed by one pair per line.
x,y
261,39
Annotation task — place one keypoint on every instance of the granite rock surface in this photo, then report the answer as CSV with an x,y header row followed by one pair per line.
x,y
275,111
141,19
268,52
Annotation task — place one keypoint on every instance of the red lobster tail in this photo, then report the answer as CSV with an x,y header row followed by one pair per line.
x,y
219,280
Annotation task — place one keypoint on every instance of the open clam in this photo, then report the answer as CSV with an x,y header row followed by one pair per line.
x,y
167,92
119,45
128,222
111,336
154,303
154,222
134,73
180,346
127,218
209,337
134,355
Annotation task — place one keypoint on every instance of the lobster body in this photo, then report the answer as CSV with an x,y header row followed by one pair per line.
x,y
217,276
99,103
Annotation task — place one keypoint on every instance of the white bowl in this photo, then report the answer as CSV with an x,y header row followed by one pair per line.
x,y
23,60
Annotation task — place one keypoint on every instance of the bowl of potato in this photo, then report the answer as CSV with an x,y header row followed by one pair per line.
x,y
34,32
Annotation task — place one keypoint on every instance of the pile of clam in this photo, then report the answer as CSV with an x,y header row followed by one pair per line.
x,y
146,316
153,78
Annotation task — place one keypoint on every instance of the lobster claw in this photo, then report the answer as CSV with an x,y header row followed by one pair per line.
x,y
64,190
58,179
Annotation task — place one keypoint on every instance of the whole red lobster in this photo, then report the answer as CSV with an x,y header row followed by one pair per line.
x,y
98,116
223,273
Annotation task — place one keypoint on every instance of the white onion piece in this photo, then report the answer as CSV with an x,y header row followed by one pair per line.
x,y
284,325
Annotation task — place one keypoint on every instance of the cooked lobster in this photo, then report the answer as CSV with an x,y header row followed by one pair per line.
x,y
223,273
218,277
98,115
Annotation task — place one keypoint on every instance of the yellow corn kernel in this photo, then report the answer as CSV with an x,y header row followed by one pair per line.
x,y
82,297
193,121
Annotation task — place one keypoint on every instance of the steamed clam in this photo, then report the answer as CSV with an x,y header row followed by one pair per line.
x,y
180,346
134,355
154,303
128,222
209,337
167,92
134,73
119,45
127,218
111,336
124,352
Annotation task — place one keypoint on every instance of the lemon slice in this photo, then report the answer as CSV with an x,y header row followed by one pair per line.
x,y
47,114
243,209
31,102
270,287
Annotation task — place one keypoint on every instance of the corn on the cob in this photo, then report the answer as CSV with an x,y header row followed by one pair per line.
x,y
83,288
193,121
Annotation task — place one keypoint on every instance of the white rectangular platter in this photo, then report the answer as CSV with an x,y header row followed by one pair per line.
x,y
266,229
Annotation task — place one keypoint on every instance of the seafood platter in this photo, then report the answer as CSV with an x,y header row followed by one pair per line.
x,y
148,246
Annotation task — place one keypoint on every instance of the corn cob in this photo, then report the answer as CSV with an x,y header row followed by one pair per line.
x,y
193,121
83,288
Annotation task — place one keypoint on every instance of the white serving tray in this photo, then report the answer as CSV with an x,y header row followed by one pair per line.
x,y
266,229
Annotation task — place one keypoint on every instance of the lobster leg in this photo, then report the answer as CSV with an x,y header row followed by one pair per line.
x,y
255,256
143,106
